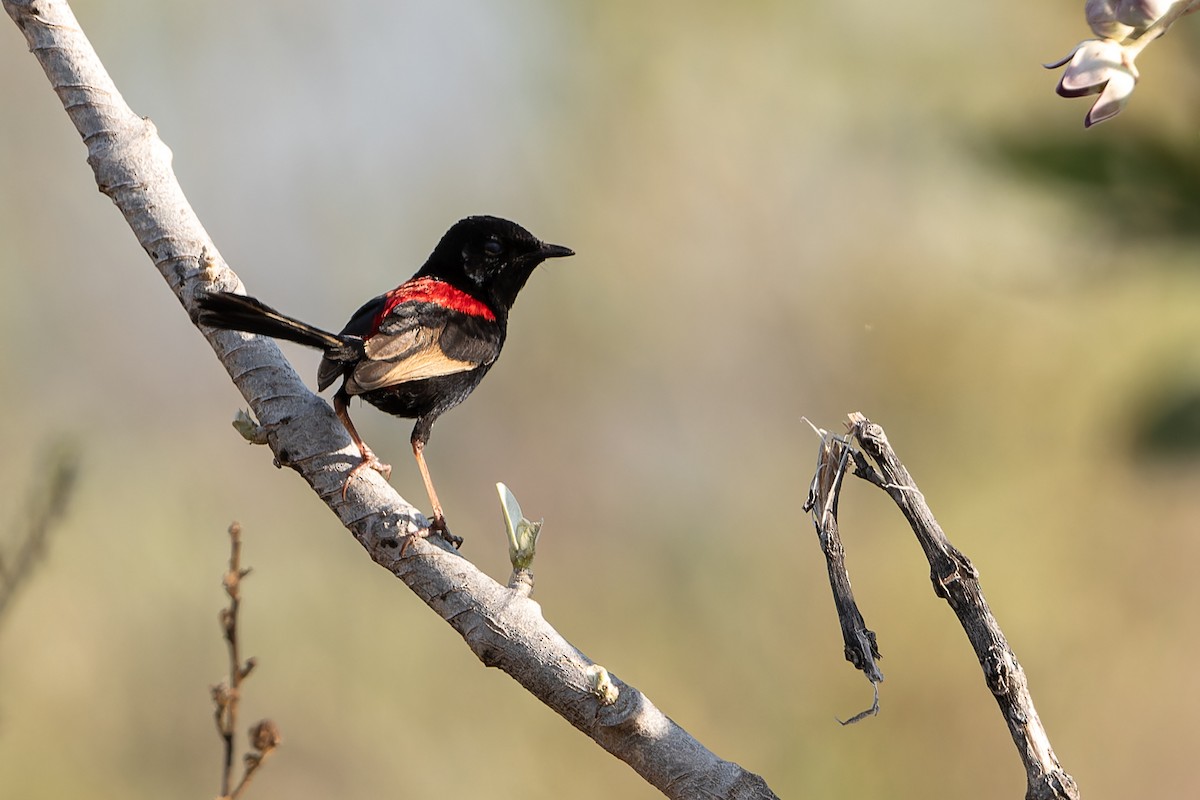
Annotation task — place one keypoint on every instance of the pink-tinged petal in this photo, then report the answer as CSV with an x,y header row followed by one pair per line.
x,y
1078,91
1141,14
1114,98
1066,58
1102,18
1091,68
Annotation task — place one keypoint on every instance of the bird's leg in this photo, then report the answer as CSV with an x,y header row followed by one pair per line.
x,y
439,518
341,407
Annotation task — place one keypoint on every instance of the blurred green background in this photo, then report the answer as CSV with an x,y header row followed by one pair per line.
x,y
780,209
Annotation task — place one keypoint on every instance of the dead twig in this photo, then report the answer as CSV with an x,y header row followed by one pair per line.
x,y
264,735
861,649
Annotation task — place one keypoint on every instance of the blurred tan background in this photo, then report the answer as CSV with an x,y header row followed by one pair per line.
x,y
780,209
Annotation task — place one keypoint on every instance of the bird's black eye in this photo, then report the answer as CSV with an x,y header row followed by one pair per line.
x,y
493,247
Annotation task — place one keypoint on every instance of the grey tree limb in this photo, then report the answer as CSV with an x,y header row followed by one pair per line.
x,y
504,628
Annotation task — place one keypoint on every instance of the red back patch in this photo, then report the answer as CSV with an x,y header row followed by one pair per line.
x,y
431,290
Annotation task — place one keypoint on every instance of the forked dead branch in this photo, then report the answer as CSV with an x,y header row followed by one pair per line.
x,y
955,580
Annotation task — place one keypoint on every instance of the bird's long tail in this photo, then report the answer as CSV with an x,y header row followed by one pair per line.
x,y
241,313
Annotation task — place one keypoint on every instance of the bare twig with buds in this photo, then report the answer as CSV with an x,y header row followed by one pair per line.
x,y
264,735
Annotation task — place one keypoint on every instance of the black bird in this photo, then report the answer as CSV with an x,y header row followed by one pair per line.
x,y
420,349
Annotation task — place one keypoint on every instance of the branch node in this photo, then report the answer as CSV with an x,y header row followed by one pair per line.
x,y
601,685
249,428
265,736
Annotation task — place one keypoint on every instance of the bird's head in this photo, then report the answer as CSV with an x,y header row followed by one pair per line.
x,y
489,258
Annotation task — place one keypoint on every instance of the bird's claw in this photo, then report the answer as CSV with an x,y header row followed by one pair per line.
x,y
370,461
439,527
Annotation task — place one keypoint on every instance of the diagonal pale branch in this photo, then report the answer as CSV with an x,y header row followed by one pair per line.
x,y
504,629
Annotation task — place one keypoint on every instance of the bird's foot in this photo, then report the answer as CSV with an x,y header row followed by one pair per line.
x,y
436,528
439,527
369,461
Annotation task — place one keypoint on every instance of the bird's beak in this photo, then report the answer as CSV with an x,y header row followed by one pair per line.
x,y
555,251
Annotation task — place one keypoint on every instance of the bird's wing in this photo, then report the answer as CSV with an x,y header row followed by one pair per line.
x,y
359,326
412,344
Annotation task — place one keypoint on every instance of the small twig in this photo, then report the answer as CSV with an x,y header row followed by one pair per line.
x,y
956,581
47,505
522,541
861,649
870,712
264,736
